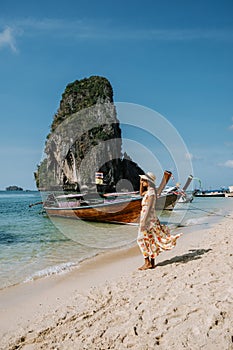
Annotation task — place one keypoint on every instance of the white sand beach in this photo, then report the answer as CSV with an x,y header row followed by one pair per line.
x,y
186,302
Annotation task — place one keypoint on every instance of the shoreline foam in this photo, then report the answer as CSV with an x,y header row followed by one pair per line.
x,y
186,302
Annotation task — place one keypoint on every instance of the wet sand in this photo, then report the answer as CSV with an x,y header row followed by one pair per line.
x,y
186,302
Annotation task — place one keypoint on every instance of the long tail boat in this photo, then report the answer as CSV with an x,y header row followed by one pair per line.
x,y
124,211
121,208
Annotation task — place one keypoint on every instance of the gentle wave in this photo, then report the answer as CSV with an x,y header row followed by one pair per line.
x,y
195,221
59,269
52,270
10,195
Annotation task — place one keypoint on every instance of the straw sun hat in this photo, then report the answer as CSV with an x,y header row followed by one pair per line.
x,y
148,177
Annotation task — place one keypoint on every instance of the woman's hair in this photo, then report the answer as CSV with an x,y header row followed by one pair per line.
x,y
143,189
152,185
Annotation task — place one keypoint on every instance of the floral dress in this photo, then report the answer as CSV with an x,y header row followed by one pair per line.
x,y
156,237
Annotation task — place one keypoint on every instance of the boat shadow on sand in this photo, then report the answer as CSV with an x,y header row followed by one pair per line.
x,y
194,254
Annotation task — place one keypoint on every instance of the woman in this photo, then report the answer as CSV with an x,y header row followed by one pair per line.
x,y
153,237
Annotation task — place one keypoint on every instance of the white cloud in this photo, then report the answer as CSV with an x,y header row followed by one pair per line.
x,y
7,39
191,157
107,29
228,163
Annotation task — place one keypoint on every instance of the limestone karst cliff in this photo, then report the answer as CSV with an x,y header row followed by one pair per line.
x,y
85,138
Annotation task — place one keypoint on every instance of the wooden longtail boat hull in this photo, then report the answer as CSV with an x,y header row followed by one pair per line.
x,y
117,212
123,212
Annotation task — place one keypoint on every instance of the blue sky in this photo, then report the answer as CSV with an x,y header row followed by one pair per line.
x,y
174,57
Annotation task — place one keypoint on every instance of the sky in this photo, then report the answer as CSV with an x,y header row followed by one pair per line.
x,y
173,57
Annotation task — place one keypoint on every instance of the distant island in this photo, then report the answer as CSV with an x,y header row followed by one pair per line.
x,y
14,188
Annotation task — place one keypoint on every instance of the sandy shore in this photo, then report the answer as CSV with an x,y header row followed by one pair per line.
x,y
185,303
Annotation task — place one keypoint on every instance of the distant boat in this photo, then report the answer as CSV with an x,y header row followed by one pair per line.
x,y
209,193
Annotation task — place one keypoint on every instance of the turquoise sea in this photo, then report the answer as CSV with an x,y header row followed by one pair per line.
x,y
32,246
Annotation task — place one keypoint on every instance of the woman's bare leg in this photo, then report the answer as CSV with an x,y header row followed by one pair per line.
x,y
147,265
152,261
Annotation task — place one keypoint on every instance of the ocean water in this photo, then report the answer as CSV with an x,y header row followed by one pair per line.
x,y
33,246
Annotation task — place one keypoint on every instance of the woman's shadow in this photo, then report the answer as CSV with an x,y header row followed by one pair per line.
x,y
194,254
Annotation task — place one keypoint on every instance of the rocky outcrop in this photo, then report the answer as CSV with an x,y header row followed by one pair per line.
x,y
14,188
85,138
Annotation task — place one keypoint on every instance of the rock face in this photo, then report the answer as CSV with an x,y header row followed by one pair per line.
x,y
85,139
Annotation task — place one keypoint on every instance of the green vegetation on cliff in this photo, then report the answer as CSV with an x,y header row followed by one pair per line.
x,y
82,94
